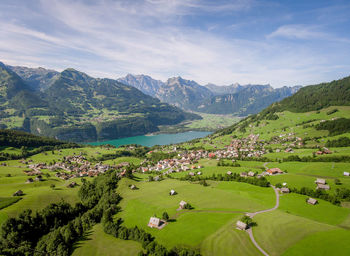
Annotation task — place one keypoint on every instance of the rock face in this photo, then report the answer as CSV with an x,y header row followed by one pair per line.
x,y
145,84
38,79
231,99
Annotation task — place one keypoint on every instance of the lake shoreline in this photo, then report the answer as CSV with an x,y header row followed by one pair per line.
x,y
153,139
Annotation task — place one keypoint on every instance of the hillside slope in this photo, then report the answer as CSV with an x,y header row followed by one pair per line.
x,y
315,97
77,107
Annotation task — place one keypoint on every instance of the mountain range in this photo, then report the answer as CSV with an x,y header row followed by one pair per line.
x,y
236,99
73,106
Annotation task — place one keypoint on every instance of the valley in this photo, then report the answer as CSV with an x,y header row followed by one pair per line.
x,y
232,173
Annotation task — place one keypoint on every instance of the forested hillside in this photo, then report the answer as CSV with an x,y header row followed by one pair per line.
x,y
315,97
77,107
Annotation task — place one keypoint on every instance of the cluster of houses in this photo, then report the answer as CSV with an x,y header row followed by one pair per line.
x,y
71,167
272,171
324,151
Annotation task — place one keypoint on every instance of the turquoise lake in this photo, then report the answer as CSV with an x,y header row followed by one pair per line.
x,y
151,140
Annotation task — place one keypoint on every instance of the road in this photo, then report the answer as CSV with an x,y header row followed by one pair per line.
x,y
265,165
252,214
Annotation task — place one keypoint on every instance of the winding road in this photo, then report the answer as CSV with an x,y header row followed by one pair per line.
x,y
251,215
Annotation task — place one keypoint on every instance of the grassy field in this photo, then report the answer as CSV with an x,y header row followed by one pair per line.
x,y
192,227
277,230
210,226
333,242
97,242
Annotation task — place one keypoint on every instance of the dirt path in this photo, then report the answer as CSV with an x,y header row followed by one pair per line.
x,y
265,165
250,230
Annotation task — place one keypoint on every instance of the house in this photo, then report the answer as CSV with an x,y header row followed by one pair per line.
x,y
320,181
312,201
274,171
154,222
346,174
39,178
72,184
133,187
241,225
284,184
243,174
172,192
323,186
157,178
285,190
30,180
191,174
251,174
229,173
18,193
199,173
182,204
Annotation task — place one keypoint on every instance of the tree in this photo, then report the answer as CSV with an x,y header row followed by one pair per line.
x,y
249,221
52,186
165,216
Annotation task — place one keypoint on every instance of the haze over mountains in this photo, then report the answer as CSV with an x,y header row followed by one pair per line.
x,y
234,99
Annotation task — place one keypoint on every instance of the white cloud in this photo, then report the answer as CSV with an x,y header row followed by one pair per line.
x,y
113,38
298,31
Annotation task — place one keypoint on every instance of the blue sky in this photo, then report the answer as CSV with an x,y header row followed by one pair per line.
x,y
222,42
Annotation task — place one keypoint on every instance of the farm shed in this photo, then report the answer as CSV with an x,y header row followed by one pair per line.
x,y
312,201
154,222
182,204
241,225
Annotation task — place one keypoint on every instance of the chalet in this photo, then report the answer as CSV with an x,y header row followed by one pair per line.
x,y
199,173
241,225
229,173
39,178
285,190
154,222
172,192
323,186
18,193
30,180
72,184
346,174
312,201
251,174
274,171
185,168
132,187
320,181
289,150
182,204
243,174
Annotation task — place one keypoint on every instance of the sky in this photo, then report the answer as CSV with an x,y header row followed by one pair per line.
x,y
282,43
